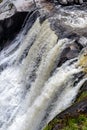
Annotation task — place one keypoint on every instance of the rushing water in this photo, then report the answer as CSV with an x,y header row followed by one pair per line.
x,y
34,88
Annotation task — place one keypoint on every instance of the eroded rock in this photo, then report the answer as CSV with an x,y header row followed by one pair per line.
x,y
65,2
7,9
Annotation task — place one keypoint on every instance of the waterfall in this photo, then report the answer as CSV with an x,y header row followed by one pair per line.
x,y
34,88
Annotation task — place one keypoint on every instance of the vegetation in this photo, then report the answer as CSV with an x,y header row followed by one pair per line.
x,y
82,96
74,123
1,1
70,122
83,61
52,124
77,123
11,5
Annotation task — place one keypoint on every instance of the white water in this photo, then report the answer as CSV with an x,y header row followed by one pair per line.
x,y
32,88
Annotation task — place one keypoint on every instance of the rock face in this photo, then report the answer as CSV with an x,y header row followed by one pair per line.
x,y
9,27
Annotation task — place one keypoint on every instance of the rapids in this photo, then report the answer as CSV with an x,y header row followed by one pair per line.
x,y
34,88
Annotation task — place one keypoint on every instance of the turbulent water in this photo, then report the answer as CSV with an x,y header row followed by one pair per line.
x,y
34,85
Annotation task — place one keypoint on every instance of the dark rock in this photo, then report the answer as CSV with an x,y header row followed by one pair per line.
x,y
70,52
75,109
84,87
67,2
9,27
74,112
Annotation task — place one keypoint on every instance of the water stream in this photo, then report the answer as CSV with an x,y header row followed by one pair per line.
x,y
34,88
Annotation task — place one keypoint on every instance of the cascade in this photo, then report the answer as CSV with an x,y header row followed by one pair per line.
x,y
34,85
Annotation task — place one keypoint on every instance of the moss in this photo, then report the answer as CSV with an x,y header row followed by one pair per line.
x,y
52,124
74,123
82,96
11,5
78,123
48,127
83,62
1,1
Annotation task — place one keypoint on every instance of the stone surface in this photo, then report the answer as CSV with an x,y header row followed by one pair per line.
x,y
7,9
9,27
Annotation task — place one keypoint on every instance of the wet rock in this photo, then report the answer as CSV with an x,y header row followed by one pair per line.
x,y
82,92
7,9
9,27
83,41
74,110
70,52
74,117
65,119
65,2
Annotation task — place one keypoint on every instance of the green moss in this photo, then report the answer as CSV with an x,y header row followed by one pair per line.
x,y
83,61
1,1
82,96
78,123
75,123
48,127
11,5
52,124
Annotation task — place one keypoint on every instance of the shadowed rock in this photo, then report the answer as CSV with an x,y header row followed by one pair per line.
x,y
67,2
9,27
